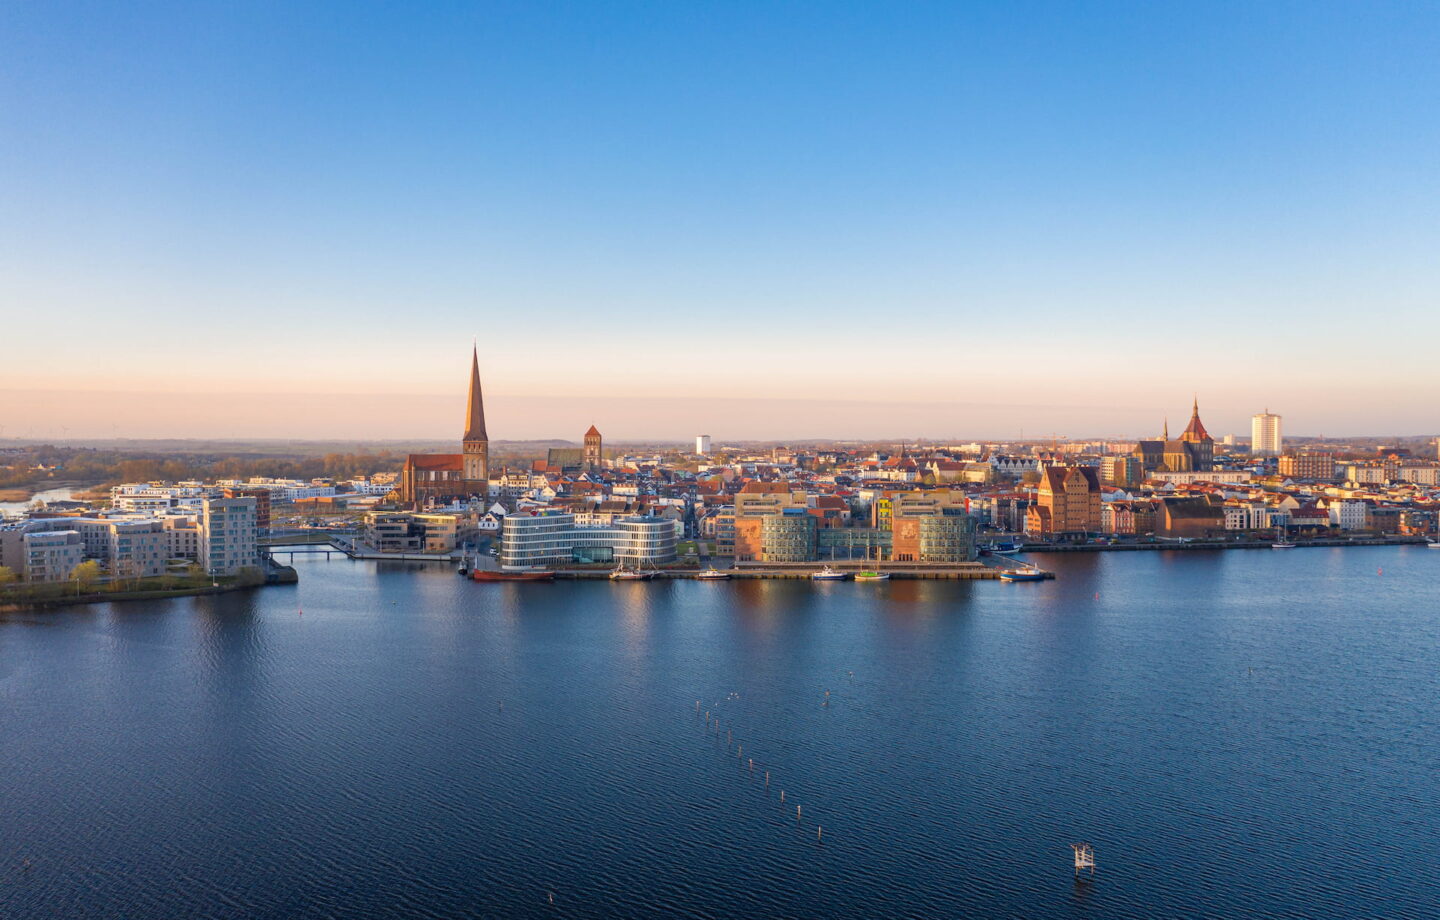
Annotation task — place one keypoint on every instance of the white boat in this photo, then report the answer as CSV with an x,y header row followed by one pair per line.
x,y
828,574
1282,545
712,574
872,576
1435,544
624,574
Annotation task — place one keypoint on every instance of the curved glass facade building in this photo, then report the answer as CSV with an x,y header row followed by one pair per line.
x,y
549,539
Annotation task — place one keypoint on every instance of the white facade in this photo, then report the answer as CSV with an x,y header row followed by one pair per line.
x,y
1265,440
137,549
549,539
702,445
141,496
228,536
1189,478
1350,515
1420,474
1254,517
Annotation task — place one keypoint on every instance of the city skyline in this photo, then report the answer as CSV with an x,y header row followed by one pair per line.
x,y
968,205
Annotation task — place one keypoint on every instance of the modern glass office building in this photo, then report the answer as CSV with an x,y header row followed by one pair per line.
x,y
546,539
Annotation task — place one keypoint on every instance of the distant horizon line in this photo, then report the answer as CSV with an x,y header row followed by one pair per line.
x,y
657,442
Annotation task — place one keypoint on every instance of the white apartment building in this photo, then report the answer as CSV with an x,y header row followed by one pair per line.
x,y
1350,515
1427,474
1254,516
141,496
1265,439
702,445
51,555
228,536
136,549
134,546
1231,477
1367,474
182,536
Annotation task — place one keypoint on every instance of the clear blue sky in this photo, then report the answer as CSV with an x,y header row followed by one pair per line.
x,y
1041,206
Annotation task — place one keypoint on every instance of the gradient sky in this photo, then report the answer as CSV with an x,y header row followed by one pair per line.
x,y
877,219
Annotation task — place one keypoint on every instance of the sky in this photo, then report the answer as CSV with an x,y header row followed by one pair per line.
x,y
754,220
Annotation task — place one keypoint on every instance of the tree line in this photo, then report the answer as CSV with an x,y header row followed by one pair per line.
x,y
34,466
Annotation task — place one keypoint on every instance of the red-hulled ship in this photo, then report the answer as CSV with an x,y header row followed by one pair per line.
x,y
487,575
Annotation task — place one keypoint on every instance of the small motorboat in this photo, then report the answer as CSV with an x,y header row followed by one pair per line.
x,y
1021,575
828,574
872,576
1003,549
491,575
712,574
1435,544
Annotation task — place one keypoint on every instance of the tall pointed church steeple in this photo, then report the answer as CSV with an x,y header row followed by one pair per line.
x,y
476,443
475,410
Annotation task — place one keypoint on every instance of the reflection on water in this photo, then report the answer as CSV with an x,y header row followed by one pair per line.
x,y
392,740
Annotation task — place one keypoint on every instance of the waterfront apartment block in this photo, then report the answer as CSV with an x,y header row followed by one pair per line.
x,y
51,555
419,532
1066,503
228,535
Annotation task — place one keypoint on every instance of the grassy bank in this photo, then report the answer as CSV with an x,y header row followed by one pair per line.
x,y
22,596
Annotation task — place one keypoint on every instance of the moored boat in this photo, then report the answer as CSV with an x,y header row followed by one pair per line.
x,y
712,574
828,574
872,576
1021,575
624,574
491,575
1003,549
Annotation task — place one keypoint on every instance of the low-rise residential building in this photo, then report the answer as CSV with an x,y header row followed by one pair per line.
x,y
1350,515
51,555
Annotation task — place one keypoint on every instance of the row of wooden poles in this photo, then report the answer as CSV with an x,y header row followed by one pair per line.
x,y
740,754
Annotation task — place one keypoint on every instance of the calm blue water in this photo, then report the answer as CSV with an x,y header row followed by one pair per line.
x,y
1239,734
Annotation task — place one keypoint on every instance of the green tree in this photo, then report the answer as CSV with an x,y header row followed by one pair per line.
x,y
86,574
8,575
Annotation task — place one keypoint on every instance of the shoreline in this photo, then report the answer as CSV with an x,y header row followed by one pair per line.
x,y
282,575
1214,544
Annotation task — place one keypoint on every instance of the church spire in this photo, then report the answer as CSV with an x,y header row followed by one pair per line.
x,y
1196,429
1165,436
475,411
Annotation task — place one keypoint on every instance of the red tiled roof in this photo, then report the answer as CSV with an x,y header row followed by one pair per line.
x,y
435,461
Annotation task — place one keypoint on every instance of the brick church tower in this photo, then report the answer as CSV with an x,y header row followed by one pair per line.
x,y
592,449
476,443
